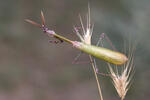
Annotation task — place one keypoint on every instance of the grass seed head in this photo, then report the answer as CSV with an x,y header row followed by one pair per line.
x,y
121,81
86,34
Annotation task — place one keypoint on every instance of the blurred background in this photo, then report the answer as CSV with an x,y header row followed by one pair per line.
x,y
31,68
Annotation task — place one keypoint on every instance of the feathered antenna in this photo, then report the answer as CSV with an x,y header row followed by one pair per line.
x,y
36,24
33,23
44,28
42,18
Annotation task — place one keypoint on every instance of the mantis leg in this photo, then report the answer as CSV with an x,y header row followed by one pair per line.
x,y
100,42
104,36
75,61
56,41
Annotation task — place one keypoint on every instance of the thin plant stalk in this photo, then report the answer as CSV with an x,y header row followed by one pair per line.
x,y
96,77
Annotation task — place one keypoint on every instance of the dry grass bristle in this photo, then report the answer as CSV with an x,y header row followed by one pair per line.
x,y
86,32
121,81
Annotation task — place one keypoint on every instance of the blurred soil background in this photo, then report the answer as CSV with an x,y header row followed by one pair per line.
x,y
31,68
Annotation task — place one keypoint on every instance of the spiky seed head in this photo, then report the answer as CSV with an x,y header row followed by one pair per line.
x,y
86,34
121,81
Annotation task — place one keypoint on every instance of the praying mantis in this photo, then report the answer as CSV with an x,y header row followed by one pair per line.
x,y
102,53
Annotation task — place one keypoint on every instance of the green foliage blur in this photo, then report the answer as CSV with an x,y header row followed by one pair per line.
x,y
31,68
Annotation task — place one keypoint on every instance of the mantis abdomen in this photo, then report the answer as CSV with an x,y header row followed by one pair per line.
x,y
108,55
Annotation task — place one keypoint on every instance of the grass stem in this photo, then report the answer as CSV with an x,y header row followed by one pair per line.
x,y
96,77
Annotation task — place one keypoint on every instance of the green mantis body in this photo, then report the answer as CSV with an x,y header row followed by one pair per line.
x,y
105,54
108,55
99,52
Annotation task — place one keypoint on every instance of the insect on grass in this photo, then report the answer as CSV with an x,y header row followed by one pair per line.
x,y
107,55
